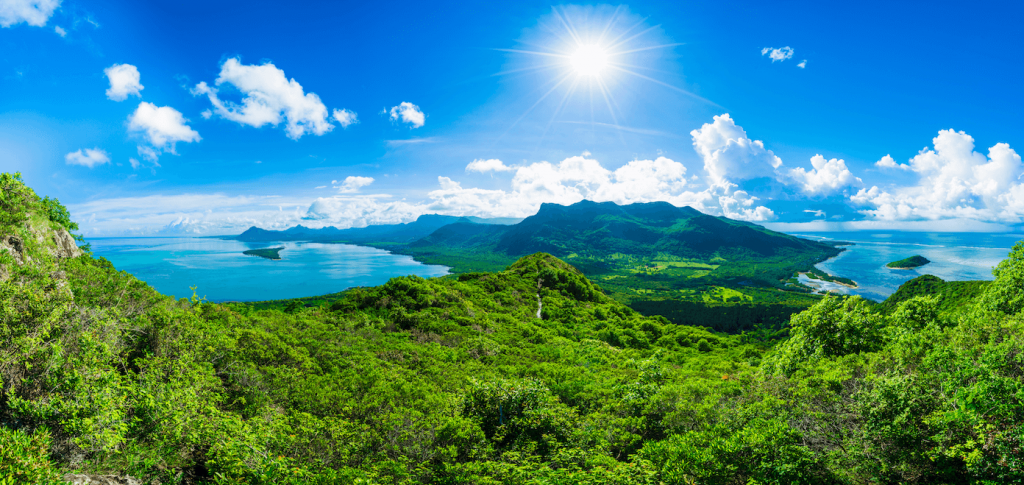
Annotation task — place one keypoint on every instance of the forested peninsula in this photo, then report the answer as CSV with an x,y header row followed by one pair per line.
x,y
458,380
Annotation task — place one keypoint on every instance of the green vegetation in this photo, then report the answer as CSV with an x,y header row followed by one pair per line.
x,y
456,380
909,263
268,253
949,295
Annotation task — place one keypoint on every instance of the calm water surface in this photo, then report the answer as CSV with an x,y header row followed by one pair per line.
x,y
954,256
222,273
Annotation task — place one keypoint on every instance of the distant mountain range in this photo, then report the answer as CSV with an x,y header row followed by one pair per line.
x,y
396,233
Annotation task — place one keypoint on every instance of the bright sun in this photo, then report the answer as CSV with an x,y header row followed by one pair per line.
x,y
589,60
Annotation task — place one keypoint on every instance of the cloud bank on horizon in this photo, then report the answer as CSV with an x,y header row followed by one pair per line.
x,y
740,179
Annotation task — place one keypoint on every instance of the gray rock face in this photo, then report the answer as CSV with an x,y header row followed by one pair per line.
x,y
15,246
66,247
78,479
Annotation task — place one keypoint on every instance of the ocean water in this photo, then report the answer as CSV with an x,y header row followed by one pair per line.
x,y
221,272
954,256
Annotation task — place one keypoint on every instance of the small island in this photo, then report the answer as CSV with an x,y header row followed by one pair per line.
x,y
909,263
268,253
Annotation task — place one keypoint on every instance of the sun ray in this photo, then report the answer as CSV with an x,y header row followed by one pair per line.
x,y
633,37
645,49
627,31
528,110
611,22
525,70
667,85
568,92
611,111
568,28
548,54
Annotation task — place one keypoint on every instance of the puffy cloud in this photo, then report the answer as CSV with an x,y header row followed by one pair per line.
x,y
87,157
345,117
408,113
491,165
740,205
888,162
161,127
730,155
33,12
124,81
778,54
268,97
343,212
955,182
569,181
803,64
826,177
352,184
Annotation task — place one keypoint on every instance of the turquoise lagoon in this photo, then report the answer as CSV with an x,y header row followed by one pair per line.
x,y
954,256
220,272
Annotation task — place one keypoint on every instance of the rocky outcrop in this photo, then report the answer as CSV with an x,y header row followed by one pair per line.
x,y
15,246
66,247
79,479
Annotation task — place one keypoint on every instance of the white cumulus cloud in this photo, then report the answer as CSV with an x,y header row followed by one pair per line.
x,y
161,127
826,177
87,157
345,117
33,12
888,162
124,81
352,184
730,155
741,205
955,182
268,97
491,165
408,113
778,54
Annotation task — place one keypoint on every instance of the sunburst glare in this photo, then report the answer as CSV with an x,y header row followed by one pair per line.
x,y
589,60
589,56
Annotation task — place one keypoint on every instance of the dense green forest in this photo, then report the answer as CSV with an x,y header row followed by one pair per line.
x,y
529,375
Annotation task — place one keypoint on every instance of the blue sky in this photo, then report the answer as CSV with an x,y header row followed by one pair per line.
x,y
799,115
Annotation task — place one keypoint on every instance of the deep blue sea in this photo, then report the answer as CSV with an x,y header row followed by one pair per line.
x,y
222,273
954,256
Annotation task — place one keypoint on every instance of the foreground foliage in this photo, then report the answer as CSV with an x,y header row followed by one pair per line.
x,y
457,380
